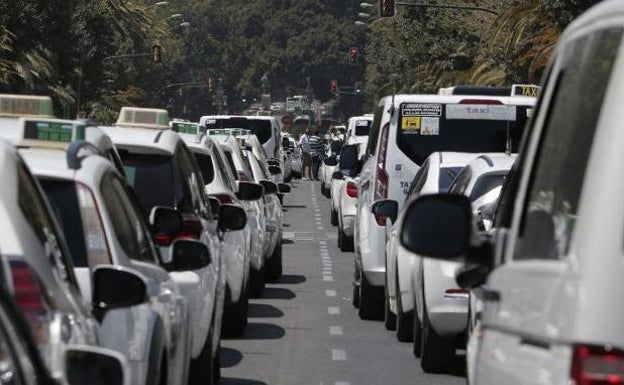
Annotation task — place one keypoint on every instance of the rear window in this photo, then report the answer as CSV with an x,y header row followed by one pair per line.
x,y
259,127
447,174
487,183
204,162
155,180
230,160
428,127
64,202
362,127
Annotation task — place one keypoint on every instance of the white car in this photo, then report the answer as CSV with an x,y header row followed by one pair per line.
x,y
553,263
287,157
344,193
328,166
358,130
103,227
163,172
236,245
295,158
406,130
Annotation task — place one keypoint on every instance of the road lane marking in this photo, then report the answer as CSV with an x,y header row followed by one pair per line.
x,y
342,383
328,278
327,272
333,310
339,355
288,235
330,293
319,228
335,330
323,243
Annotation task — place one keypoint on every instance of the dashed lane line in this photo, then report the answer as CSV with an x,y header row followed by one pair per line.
x,y
335,330
328,278
333,310
339,355
330,293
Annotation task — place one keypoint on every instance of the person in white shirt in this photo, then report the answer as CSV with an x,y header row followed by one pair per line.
x,y
306,159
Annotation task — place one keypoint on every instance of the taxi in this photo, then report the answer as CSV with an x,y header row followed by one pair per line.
x,y
163,172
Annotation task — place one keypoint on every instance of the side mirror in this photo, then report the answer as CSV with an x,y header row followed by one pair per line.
x,y
94,365
275,170
386,208
438,226
232,218
331,161
214,207
188,254
349,157
337,174
115,288
166,224
269,187
249,191
283,188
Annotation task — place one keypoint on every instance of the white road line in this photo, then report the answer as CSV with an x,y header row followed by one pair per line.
x,y
323,243
288,235
328,278
339,355
319,228
342,383
328,272
335,330
333,310
330,293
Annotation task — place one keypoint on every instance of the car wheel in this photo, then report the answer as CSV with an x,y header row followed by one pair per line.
x,y
202,367
274,264
417,336
389,317
345,243
404,321
256,282
334,217
356,288
437,353
235,317
371,300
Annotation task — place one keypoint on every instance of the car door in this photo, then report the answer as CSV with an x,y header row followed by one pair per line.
x,y
530,298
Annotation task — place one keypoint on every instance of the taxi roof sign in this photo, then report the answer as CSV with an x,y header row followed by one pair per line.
x,y
143,118
185,127
228,131
530,90
49,133
26,105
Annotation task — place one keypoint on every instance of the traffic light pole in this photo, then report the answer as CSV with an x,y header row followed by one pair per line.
x,y
464,7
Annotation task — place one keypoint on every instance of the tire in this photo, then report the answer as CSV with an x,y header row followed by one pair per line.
x,y
356,289
323,189
437,353
273,270
371,301
417,344
345,243
235,317
389,317
202,368
256,282
334,217
404,321
216,365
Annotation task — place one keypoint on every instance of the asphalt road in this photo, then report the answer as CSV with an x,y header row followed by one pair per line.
x,y
304,329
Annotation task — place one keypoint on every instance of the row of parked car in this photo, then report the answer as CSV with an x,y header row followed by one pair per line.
x,y
513,244
131,249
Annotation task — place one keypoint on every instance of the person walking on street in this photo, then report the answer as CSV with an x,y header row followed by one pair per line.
x,y
317,150
304,144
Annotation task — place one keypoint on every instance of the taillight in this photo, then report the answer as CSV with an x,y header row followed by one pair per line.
x,y
595,365
27,290
162,239
381,180
480,101
223,198
242,176
192,226
95,237
352,190
456,293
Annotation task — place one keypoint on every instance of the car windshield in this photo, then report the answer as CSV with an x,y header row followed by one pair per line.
x,y
362,127
447,174
64,201
428,127
260,127
485,183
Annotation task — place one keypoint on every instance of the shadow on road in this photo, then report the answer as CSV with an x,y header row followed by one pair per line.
x,y
291,279
263,331
229,357
259,310
277,293
287,241
239,381
295,206
285,225
459,367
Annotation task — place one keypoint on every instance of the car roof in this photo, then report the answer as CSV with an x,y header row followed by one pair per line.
x,y
145,140
492,162
451,158
454,99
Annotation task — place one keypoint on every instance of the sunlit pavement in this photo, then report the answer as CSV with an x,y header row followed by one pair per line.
x,y
304,329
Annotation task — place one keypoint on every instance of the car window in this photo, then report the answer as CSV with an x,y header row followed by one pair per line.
x,y
419,180
447,174
461,182
193,183
375,129
204,162
35,210
556,180
486,183
127,223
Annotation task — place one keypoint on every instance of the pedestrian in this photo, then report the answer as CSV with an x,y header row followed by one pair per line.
x,y
306,160
317,150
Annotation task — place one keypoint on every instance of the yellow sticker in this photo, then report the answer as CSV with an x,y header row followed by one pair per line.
x,y
410,123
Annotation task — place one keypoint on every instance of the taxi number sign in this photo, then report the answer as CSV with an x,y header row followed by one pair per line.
x,y
48,131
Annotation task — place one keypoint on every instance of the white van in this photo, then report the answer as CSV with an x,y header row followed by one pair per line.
x,y
551,313
406,130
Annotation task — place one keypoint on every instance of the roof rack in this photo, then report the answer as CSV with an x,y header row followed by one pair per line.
x,y
143,118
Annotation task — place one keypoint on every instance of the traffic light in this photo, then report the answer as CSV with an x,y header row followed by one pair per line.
x,y
386,8
333,86
156,53
353,55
